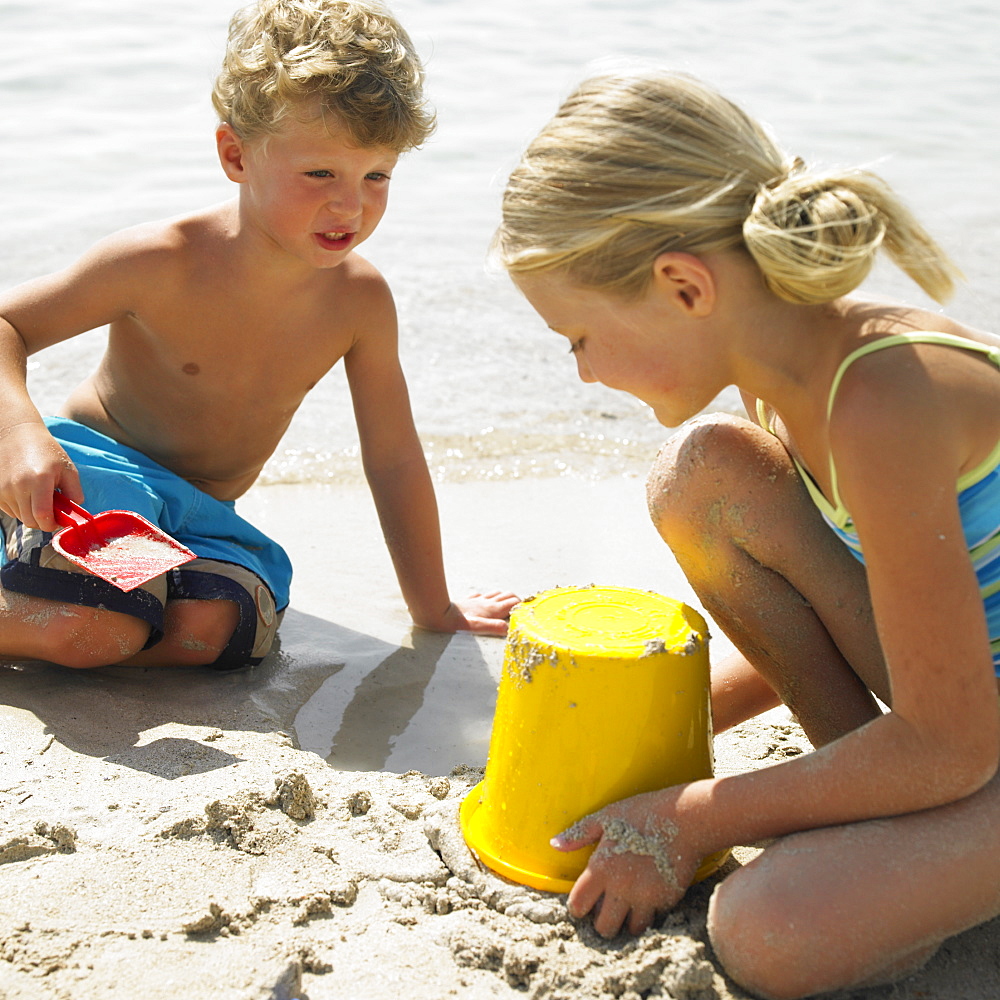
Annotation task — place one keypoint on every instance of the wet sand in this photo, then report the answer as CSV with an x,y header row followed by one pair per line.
x,y
283,832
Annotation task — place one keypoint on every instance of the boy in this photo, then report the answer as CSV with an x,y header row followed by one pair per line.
x,y
219,323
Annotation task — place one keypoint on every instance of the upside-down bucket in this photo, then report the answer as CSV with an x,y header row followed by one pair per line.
x,y
604,694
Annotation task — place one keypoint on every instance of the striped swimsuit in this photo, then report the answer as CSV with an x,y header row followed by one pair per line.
x,y
978,489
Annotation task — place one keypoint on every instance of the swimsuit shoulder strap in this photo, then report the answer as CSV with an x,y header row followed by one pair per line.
x,y
893,340
762,418
946,339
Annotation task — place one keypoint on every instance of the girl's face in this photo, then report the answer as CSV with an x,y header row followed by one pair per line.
x,y
641,347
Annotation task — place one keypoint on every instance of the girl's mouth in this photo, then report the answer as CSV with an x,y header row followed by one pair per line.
x,y
334,240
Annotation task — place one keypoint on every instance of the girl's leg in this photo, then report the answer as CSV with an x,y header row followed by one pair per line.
x,y
858,905
727,499
738,692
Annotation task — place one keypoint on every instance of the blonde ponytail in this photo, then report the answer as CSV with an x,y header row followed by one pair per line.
x,y
635,165
815,236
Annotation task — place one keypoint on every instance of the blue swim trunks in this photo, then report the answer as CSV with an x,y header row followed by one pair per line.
x,y
235,561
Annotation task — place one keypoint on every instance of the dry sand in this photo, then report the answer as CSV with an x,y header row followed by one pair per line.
x,y
182,834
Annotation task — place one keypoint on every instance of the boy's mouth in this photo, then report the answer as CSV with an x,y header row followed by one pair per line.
x,y
335,240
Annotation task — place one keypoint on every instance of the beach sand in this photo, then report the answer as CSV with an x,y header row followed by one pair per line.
x,y
188,835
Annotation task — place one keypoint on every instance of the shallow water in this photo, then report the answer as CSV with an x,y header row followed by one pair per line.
x,y
105,121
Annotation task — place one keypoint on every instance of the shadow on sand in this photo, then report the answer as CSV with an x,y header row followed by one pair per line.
x,y
360,702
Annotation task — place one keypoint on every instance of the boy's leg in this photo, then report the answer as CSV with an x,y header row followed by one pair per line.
x,y
727,499
217,614
220,611
207,613
73,635
859,905
195,634
52,610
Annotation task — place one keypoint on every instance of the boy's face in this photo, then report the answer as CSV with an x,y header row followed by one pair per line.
x,y
309,190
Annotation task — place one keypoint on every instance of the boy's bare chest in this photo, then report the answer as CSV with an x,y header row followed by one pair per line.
x,y
231,349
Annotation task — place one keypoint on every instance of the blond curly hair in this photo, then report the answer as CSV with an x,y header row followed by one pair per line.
x,y
347,58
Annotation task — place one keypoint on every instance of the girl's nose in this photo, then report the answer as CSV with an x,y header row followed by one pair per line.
x,y
583,369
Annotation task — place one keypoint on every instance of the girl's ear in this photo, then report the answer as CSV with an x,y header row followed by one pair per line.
x,y
686,281
231,152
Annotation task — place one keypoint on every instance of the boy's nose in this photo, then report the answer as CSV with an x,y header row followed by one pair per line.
x,y
347,200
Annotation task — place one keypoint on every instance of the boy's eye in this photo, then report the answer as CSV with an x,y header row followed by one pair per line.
x,y
318,173
377,175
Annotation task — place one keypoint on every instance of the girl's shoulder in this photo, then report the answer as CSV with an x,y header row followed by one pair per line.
x,y
916,380
911,351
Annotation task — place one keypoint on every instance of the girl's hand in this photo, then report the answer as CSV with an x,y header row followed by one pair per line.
x,y
33,467
484,614
641,866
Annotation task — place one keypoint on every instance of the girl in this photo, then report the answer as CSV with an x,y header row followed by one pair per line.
x,y
846,538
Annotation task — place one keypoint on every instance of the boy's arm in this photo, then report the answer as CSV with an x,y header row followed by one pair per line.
x,y
32,464
33,316
400,482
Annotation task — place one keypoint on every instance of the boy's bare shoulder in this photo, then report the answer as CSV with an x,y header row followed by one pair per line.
x,y
362,296
132,262
363,277
202,257
151,242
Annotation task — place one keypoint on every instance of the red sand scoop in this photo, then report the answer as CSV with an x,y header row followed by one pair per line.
x,y
118,546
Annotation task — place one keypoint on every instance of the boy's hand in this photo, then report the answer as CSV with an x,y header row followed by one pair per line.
x,y
34,467
641,867
484,614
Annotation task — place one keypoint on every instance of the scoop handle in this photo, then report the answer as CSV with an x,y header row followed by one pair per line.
x,y
68,513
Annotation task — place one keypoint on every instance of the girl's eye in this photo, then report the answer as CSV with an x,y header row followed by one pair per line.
x,y
377,175
318,173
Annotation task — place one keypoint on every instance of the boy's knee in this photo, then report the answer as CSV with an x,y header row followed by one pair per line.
x,y
197,632
84,638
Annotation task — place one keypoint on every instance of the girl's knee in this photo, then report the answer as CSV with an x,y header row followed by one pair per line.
x,y
778,937
699,466
753,938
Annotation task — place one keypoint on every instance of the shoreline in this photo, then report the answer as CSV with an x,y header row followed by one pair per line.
x,y
174,834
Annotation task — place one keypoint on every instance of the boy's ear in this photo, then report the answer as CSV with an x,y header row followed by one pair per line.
x,y
231,152
686,281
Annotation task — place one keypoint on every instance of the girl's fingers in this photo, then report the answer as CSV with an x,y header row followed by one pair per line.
x,y
585,894
587,831
640,918
611,916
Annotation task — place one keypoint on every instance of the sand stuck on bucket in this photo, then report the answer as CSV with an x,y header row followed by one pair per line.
x,y
604,694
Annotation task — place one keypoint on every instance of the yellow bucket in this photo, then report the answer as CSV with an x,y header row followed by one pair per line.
x,y
604,694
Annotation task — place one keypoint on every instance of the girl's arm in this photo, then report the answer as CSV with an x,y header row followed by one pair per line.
x,y
402,488
899,460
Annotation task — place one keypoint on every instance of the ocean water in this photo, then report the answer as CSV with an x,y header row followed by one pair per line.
x,y
105,121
